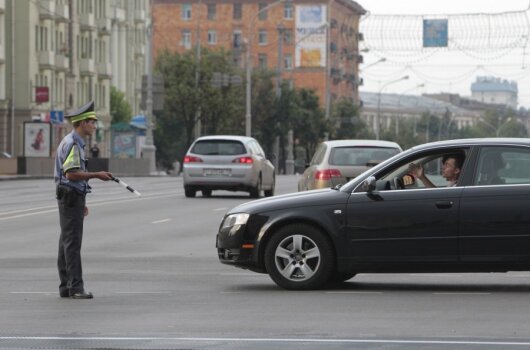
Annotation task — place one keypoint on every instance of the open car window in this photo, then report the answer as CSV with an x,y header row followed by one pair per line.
x,y
399,177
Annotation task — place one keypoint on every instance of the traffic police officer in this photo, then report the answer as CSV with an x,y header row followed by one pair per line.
x,y
71,178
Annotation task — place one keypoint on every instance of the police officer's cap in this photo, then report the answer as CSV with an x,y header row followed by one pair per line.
x,y
84,112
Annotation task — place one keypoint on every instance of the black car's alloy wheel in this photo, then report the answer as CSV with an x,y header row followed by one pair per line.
x,y
299,257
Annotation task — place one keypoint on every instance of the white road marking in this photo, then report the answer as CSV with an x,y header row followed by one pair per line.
x,y
220,209
286,340
460,293
33,292
29,214
142,292
95,203
354,292
161,221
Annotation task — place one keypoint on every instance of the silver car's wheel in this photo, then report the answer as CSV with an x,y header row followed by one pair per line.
x,y
299,257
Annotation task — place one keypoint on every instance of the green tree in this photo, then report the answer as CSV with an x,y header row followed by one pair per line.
x,y
188,99
309,124
347,122
120,110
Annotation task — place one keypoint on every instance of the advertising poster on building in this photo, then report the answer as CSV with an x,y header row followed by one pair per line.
x,y
310,36
37,139
123,145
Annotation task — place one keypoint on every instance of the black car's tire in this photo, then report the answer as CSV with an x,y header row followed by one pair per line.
x,y
188,192
256,191
299,257
270,192
206,193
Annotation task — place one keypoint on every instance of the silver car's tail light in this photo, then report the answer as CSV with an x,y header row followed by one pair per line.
x,y
243,160
192,159
327,174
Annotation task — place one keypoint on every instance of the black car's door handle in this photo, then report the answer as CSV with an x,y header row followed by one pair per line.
x,y
444,204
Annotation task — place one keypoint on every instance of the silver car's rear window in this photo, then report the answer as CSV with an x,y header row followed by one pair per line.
x,y
360,155
218,147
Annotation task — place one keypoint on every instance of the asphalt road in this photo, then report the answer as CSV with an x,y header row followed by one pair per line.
x,y
151,263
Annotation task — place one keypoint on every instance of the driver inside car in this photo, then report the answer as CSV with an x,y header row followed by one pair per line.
x,y
451,168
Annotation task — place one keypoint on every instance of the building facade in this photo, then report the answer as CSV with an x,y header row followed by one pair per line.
x,y
493,90
312,43
394,108
59,54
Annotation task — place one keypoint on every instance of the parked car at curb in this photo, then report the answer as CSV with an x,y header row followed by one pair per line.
x,y
337,162
230,163
385,220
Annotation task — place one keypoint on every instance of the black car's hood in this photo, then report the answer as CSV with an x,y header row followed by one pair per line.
x,y
297,199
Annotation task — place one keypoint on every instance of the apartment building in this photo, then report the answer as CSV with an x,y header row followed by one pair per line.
x,y
494,90
318,49
56,55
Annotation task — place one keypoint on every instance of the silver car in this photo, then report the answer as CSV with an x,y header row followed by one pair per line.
x,y
337,162
231,163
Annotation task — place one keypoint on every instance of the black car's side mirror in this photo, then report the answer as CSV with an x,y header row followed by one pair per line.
x,y
369,184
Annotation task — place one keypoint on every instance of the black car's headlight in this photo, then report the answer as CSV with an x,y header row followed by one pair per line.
x,y
234,222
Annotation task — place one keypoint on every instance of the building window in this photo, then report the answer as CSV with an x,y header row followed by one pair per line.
x,y
186,39
288,11
238,39
262,12
238,11
186,12
212,11
212,37
288,62
262,61
262,37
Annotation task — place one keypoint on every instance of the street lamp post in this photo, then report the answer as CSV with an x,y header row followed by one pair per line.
x,y
497,128
377,116
248,104
381,60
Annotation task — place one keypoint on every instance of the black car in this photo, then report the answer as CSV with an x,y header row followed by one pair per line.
x,y
386,220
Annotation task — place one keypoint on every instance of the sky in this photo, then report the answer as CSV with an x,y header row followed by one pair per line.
x,y
447,70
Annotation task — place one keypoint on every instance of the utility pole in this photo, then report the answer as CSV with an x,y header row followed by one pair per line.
x,y
149,149
197,73
13,80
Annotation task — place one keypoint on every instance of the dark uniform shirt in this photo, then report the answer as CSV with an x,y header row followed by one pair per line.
x,y
71,156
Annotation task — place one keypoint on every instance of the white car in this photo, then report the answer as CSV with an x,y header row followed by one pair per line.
x,y
231,163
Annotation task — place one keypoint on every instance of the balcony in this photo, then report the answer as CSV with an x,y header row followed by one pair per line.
x,y
139,15
104,70
62,13
46,59
46,9
87,66
87,21
62,63
104,26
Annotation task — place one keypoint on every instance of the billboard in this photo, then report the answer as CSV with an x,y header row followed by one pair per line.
x,y
37,139
310,36
435,33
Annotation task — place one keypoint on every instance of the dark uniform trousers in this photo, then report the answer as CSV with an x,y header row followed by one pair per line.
x,y
71,215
